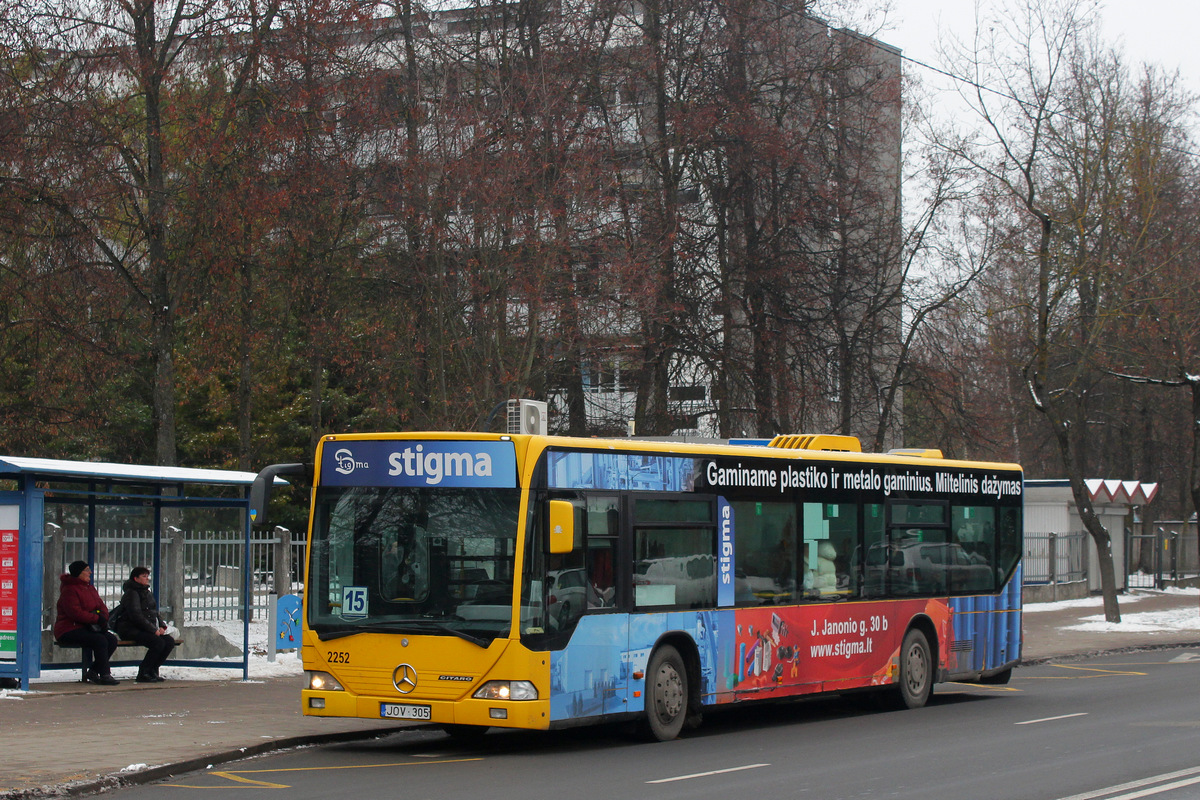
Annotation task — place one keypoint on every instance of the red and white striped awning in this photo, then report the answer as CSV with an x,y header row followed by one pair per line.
x,y
1131,492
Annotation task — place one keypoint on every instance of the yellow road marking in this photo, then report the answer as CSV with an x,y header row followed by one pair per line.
x,y
1099,673
233,776
237,775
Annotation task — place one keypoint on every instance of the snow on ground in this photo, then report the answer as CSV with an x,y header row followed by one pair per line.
x,y
1179,619
1096,601
1186,617
286,664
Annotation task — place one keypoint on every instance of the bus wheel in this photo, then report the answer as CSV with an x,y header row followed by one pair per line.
x,y
916,670
666,694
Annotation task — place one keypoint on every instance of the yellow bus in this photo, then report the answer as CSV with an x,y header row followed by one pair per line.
x,y
476,580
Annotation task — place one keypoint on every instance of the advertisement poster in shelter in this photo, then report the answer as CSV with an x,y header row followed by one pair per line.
x,y
9,539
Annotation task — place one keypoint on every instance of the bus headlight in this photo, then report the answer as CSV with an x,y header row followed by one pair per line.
x,y
323,682
506,690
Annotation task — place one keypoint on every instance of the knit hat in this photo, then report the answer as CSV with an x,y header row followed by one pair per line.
x,y
76,568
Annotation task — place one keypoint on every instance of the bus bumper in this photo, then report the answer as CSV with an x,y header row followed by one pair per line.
x,y
529,714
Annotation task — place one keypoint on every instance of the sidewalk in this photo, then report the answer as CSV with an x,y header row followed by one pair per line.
x,y
75,738
1149,619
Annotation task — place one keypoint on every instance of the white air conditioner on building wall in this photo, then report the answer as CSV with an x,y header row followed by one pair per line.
x,y
527,416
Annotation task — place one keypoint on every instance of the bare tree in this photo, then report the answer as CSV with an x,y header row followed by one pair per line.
x,y
1055,110
108,76
1157,340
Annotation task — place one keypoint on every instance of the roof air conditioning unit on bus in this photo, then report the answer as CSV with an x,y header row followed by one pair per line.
x,y
527,416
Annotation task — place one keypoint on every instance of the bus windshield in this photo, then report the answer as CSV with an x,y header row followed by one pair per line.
x,y
412,560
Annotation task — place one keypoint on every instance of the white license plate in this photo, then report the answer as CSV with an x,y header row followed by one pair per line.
x,y
403,711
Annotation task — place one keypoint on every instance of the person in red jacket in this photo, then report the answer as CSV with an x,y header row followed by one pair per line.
x,y
82,621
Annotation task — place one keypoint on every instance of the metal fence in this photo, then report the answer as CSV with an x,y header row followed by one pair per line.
x,y
212,568
1156,560
213,561
1055,557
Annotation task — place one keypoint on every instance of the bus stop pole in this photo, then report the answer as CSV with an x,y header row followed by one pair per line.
x,y
272,624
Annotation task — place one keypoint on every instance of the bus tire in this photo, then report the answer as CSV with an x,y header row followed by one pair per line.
x,y
666,694
916,670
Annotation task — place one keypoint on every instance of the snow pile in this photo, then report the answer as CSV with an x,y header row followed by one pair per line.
x,y
1179,619
1082,603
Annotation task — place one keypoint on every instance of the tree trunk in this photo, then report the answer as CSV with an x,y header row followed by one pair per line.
x,y
245,393
1049,405
1194,471
163,310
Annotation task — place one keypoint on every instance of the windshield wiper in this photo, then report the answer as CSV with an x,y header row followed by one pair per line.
x,y
475,640
413,626
325,634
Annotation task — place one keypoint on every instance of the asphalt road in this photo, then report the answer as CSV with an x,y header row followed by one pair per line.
x,y
1112,728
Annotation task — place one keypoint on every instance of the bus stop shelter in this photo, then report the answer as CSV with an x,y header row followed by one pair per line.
x,y
1061,561
113,516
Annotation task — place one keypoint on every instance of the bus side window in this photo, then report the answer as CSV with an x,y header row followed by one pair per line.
x,y
602,588
1008,543
565,579
971,561
674,550
764,552
830,542
918,539
872,560
603,526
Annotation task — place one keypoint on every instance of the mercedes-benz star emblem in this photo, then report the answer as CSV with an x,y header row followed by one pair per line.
x,y
404,678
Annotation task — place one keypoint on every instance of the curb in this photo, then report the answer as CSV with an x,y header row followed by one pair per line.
x,y
151,774
1107,651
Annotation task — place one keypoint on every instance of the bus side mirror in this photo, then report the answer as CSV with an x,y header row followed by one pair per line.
x,y
260,490
562,526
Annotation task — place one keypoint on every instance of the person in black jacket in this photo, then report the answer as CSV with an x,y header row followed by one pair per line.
x,y
141,622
